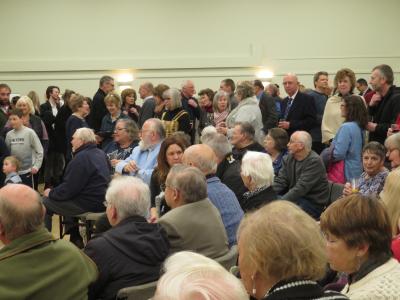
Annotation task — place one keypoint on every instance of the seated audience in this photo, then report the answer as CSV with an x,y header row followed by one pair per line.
x,y
348,142
258,176
246,111
84,184
390,197
171,152
33,263
203,158
188,275
11,166
358,238
286,256
25,145
373,178
275,144
143,158
243,140
114,113
129,107
126,138
193,223
302,178
175,117
80,110
228,169
392,144
132,251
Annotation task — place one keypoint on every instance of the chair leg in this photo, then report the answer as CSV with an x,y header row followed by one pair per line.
x,y
61,226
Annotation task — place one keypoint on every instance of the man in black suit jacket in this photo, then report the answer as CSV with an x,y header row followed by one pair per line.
x,y
298,109
146,92
267,106
98,109
54,163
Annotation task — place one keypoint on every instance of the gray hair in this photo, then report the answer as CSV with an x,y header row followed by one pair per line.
x,y
259,167
189,181
217,96
186,82
105,79
305,139
386,72
175,96
157,126
86,135
207,132
244,89
131,128
247,129
219,143
16,221
130,196
393,141
188,274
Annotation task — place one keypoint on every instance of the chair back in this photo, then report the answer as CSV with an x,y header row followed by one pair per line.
x,y
138,292
229,260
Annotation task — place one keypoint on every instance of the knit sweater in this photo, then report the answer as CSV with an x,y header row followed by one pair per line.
x,y
381,283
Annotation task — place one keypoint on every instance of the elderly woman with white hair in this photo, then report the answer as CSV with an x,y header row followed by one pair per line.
x,y
258,175
190,275
392,144
174,118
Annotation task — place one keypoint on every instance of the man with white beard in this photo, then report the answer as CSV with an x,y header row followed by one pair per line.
x,y
144,157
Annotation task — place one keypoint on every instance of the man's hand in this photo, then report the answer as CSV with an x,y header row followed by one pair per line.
x,y
192,103
375,99
46,192
284,124
131,167
34,171
371,127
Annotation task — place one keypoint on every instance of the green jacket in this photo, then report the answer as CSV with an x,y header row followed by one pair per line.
x,y
39,266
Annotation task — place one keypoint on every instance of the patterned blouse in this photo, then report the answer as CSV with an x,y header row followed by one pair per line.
x,y
372,185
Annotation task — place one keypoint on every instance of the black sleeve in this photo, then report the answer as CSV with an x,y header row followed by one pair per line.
x,y
98,111
47,116
154,188
184,123
309,115
268,112
146,112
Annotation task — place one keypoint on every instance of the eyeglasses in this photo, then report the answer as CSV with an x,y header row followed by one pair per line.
x,y
5,94
119,129
167,98
295,142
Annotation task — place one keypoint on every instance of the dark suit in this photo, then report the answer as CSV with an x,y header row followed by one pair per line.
x,y
302,114
196,227
268,111
98,110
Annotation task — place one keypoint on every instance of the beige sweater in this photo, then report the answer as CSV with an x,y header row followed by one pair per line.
x,y
382,283
332,118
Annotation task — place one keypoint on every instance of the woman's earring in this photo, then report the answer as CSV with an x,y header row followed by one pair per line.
x,y
253,291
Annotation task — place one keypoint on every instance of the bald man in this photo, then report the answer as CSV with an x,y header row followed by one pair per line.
x,y
298,109
190,104
203,157
34,264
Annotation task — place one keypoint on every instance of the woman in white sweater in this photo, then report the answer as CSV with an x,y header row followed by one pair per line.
x,y
358,239
247,110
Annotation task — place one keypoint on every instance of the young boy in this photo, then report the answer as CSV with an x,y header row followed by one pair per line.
x,y
25,145
11,167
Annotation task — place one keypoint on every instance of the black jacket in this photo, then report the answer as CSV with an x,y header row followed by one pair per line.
x,y
98,110
85,180
228,171
384,114
303,113
256,199
239,153
46,114
131,253
147,111
268,111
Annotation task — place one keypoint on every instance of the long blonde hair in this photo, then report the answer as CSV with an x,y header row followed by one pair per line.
x,y
390,197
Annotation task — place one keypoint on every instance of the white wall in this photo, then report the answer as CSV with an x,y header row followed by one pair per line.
x,y
73,43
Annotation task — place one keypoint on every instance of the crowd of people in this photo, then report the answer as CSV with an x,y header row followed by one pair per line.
x,y
182,182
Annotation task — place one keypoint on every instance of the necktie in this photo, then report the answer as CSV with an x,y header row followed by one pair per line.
x,y
288,106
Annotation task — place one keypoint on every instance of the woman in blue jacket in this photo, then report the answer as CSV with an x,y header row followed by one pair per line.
x,y
349,140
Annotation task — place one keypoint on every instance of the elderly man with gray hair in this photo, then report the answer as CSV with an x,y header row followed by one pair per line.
x,y
33,263
193,223
132,251
302,178
203,157
84,185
